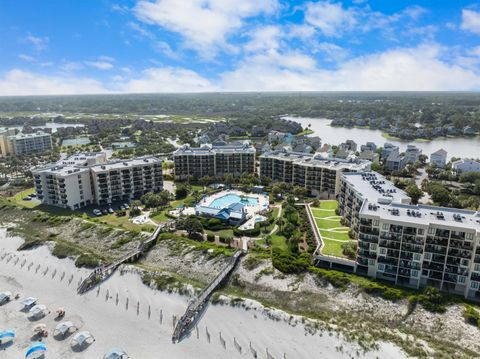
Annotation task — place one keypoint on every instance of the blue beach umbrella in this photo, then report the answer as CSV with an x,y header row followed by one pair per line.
x,y
36,348
6,335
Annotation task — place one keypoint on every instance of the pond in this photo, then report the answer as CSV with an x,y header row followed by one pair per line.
x,y
455,146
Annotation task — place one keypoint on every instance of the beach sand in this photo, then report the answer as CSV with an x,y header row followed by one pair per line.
x,y
141,333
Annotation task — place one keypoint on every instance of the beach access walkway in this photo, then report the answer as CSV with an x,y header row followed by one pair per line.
x,y
197,305
101,273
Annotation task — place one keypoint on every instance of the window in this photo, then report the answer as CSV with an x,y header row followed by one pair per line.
x,y
476,268
414,273
464,262
461,279
375,222
383,250
417,257
385,226
469,236
420,231
431,230
381,267
427,256
373,246
371,262
474,285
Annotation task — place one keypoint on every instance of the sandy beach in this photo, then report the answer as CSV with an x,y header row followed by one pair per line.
x,y
125,313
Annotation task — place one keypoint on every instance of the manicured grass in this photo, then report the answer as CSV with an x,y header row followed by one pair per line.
x,y
221,233
161,217
327,223
319,213
335,235
332,204
332,248
123,222
279,242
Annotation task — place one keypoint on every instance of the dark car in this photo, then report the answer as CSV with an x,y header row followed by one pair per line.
x,y
104,211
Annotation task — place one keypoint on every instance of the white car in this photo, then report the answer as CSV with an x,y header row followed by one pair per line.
x,y
97,212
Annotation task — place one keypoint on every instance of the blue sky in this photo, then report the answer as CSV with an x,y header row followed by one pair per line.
x,y
135,46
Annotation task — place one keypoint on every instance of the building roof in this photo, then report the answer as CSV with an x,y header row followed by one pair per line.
x,y
118,165
316,160
373,186
209,148
440,152
23,136
423,215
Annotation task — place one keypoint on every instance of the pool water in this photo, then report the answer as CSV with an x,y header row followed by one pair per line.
x,y
231,198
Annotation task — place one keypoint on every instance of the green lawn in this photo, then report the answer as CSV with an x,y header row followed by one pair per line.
x,y
332,204
279,242
221,233
18,198
327,223
161,217
335,235
332,248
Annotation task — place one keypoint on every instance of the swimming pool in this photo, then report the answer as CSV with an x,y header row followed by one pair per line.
x,y
232,198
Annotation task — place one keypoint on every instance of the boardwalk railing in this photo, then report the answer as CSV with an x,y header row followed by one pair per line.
x,y
196,306
101,273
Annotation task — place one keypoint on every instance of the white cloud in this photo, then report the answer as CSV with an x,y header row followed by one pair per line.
x,y
19,83
403,69
204,24
102,63
331,51
70,66
27,58
39,43
264,38
166,79
330,18
470,21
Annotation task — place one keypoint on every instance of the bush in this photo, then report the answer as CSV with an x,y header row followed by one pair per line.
x,y
471,315
87,260
287,262
210,237
64,250
432,300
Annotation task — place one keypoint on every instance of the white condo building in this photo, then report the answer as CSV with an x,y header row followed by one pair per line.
x,y
84,179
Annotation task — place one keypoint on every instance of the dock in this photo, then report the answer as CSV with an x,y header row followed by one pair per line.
x,y
102,272
196,307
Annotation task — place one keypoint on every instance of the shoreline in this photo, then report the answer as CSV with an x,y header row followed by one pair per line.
x,y
98,311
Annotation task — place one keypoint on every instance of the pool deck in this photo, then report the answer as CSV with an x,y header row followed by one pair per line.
x,y
252,209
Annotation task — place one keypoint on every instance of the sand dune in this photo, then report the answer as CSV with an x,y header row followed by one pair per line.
x,y
134,321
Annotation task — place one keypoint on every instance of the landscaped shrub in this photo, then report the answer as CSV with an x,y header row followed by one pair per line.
x,y
471,315
287,262
210,237
432,300
87,260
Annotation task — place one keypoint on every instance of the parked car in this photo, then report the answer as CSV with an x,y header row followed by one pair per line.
x,y
104,211
122,207
27,198
126,206
97,212
110,210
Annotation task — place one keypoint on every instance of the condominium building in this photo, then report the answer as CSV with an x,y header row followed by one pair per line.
x,y
411,245
67,182
356,187
319,176
4,146
28,143
84,179
125,180
213,160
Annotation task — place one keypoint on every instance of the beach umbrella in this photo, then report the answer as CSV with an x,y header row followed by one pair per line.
x,y
82,338
64,328
6,335
36,350
39,328
38,311
27,302
115,353
5,297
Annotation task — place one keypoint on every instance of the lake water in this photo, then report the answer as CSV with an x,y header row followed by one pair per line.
x,y
456,147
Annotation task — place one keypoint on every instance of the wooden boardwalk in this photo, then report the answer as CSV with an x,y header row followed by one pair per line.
x,y
101,273
197,305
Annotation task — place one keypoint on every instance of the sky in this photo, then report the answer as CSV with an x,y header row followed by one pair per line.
x,y
149,46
